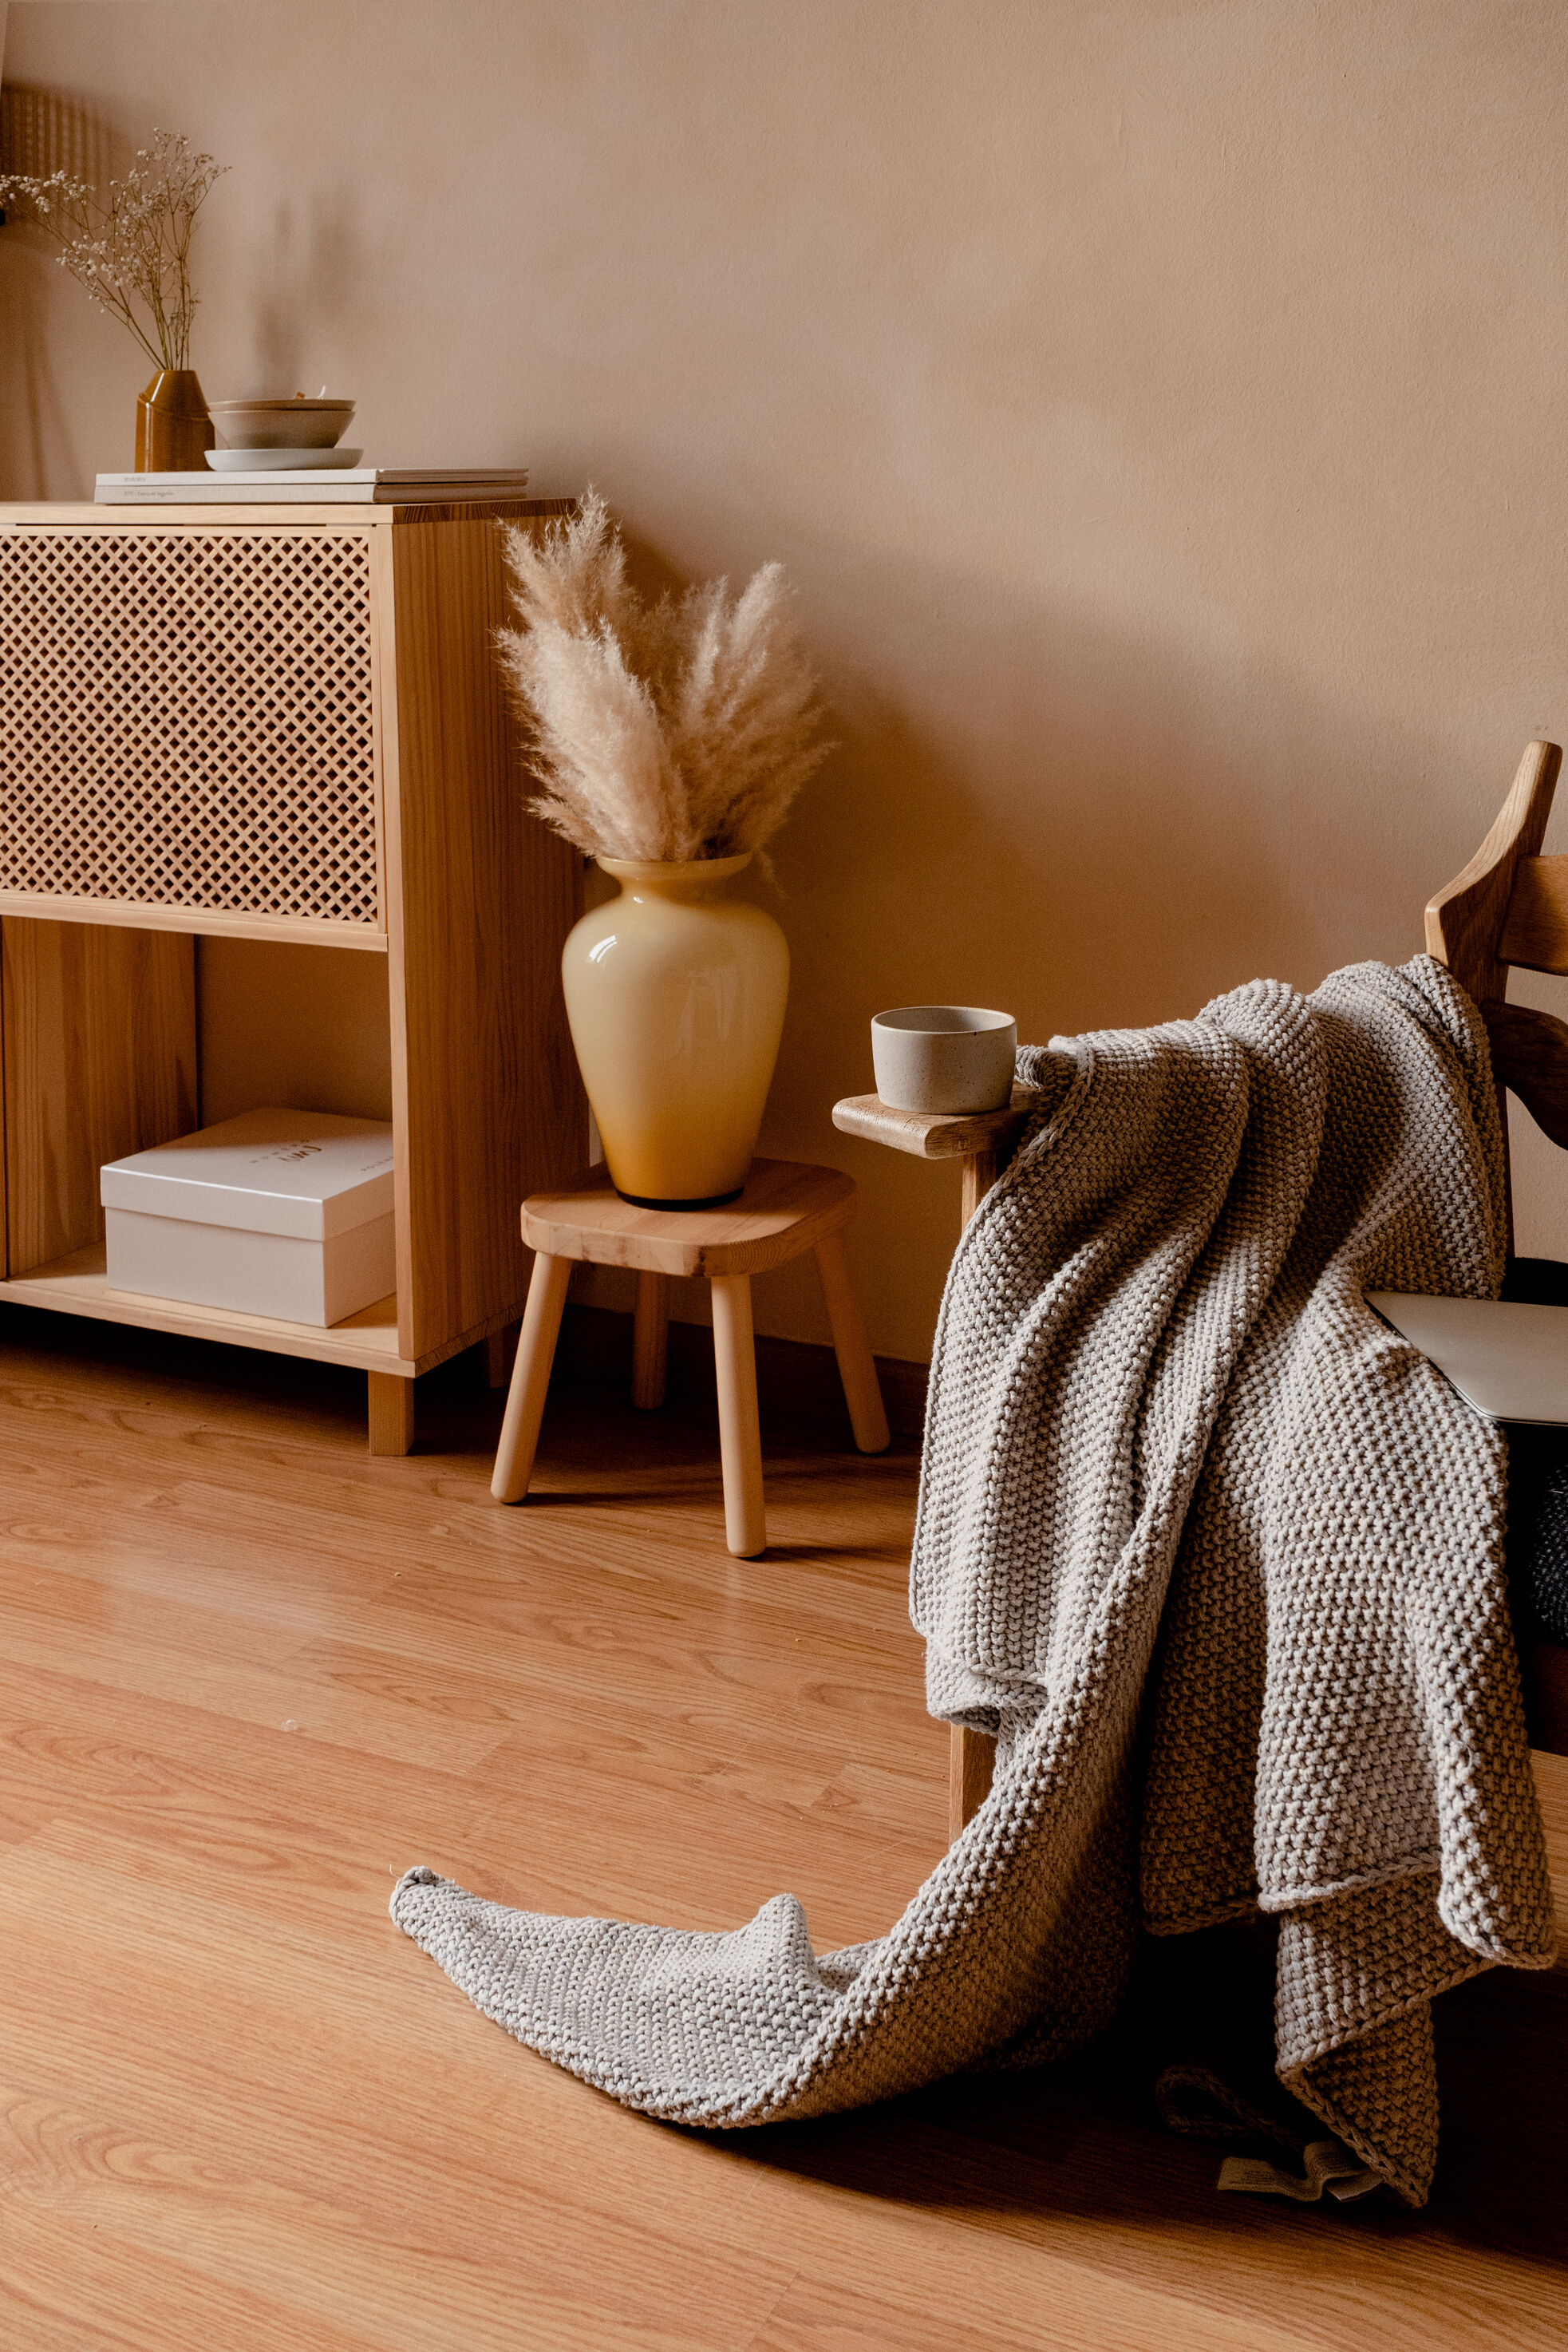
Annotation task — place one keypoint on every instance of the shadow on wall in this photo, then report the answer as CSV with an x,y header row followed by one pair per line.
x,y
1094,828
304,273
307,271
1088,827
41,132
1050,814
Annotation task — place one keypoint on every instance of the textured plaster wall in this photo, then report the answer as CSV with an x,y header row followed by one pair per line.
x,y
1160,407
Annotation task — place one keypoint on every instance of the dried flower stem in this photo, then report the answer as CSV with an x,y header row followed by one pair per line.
x,y
132,250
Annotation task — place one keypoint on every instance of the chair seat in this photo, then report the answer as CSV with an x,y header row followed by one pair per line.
x,y
785,1208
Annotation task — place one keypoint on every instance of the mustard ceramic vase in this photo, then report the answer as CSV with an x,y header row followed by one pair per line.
x,y
173,428
675,995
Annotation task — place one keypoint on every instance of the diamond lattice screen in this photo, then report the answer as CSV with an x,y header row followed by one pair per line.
x,y
186,720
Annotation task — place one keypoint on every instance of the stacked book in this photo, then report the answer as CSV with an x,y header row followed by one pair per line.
x,y
316,485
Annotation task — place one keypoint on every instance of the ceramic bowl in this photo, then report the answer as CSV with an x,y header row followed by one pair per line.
x,y
279,461
296,423
949,1059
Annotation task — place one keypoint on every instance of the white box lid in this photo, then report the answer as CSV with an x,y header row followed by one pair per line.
x,y
305,1173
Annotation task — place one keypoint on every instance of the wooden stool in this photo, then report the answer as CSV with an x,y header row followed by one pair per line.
x,y
984,1141
786,1209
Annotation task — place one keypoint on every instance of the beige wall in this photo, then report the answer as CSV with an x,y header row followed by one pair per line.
x,y
1160,407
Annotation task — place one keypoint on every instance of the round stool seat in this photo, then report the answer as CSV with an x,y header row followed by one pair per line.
x,y
785,1207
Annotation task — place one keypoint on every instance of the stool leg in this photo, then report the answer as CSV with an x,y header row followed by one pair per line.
x,y
530,1379
650,1341
971,1759
857,1367
740,1438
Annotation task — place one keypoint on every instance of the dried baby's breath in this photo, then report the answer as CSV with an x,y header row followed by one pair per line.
x,y
132,250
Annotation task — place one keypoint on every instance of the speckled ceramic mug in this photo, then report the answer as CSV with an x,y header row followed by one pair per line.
x,y
948,1058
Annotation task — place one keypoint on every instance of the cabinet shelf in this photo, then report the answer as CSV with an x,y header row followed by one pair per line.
x,y
156,915
77,1284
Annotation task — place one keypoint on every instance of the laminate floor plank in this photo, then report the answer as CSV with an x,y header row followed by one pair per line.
x,y
1099,2209
243,2130
909,2316
121,2114
68,2285
247,1673
708,1834
189,1658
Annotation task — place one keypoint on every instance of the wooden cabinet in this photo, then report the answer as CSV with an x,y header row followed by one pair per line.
x,y
277,723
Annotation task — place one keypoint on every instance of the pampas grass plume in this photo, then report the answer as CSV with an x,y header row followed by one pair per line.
x,y
680,730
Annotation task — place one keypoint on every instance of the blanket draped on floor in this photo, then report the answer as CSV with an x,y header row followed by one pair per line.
x,y
1177,1477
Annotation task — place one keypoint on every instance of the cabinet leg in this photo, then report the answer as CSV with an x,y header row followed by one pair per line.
x,y
500,1354
530,1379
650,1341
391,1401
739,1434
971,1759
857,1367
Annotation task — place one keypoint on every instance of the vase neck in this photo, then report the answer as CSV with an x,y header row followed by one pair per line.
x,y
688,877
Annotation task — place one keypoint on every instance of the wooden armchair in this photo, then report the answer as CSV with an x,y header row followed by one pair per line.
x,y
1510,907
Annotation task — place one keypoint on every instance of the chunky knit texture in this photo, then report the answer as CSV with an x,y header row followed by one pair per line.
x,y
1160,1411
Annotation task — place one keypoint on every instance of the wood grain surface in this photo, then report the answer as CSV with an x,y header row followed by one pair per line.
x,y
1529,1058
100,1048
248,1673
330,515
1465,920
486,1101
936,1135
1535,929
142,915
784,1209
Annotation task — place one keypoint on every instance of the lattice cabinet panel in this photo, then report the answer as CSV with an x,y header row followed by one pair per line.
x,y
188,719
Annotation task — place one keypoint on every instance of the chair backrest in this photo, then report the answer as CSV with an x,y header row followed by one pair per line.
x,y
1509,906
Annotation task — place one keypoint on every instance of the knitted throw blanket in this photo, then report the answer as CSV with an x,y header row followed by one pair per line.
x,y
1159,1405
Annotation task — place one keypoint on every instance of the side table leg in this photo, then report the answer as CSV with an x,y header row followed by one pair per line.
x,y
981,1170
739,1433
650,1341
391,1401
530,1379
857,1366
971,1758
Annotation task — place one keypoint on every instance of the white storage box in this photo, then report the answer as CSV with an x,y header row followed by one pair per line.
x,y
280,1212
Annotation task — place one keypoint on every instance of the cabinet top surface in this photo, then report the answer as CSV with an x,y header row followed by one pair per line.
x,y
343,514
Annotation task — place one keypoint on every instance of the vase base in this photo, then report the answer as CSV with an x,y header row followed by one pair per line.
x,y
714,1201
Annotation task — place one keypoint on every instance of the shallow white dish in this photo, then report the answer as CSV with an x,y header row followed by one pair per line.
x,y
279,461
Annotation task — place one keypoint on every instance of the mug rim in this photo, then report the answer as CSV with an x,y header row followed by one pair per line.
x,y
979,1020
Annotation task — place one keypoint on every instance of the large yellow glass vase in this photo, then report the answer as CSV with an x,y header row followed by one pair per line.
x,y
675,995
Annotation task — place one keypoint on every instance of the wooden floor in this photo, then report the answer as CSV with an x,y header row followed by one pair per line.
x,y
250,1674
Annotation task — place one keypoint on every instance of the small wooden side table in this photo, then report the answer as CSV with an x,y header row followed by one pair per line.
x,y
786,1208
984,1141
